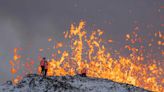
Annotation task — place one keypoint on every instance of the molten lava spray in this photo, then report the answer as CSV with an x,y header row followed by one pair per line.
x,y
89,51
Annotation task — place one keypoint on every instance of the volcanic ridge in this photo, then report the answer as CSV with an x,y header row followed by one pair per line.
x,y
77,83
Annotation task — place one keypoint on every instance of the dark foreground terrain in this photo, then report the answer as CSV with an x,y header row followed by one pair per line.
x,y
37,83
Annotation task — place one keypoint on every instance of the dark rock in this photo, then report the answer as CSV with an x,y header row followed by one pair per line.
x,y
78,83
9,83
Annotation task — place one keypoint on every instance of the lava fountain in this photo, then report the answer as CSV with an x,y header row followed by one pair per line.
x,y
89,51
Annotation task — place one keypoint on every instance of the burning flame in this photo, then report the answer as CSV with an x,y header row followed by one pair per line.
x,y
88,51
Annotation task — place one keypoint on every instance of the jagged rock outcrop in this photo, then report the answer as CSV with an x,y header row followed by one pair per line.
x,y
37,83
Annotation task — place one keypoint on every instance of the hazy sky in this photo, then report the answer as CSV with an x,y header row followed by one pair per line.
x,y
24,22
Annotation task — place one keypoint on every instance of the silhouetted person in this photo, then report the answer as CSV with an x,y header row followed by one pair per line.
x,y
44,66
84,72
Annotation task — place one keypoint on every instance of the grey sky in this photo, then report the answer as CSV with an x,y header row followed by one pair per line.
x,y
24,22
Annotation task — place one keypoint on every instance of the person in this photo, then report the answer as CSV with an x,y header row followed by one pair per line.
x,y
43,65
84,72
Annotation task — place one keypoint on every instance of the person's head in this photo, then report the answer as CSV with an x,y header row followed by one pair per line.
x,y
44,58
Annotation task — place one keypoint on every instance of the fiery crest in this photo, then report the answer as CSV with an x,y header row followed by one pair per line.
x,y
87,50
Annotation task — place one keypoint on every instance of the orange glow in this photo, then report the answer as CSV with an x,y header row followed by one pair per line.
x,y
40,49
88,52
110,41
100,64
59,45
49,39
159,42
128,36
13,71
16,56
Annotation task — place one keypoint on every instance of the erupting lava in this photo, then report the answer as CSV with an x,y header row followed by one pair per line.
x,y
91,52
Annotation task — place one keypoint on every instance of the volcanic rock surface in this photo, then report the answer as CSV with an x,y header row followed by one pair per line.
x,y
37,83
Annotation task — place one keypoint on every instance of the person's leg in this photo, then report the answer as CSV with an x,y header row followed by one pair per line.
x,y
42,72
45,72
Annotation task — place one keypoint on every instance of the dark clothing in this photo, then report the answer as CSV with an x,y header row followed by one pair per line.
x,y
43,69
83,75
45,73
44,66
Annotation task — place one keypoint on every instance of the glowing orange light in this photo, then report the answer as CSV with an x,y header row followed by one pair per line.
x,y
89,54
40,49
110,41
49,39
